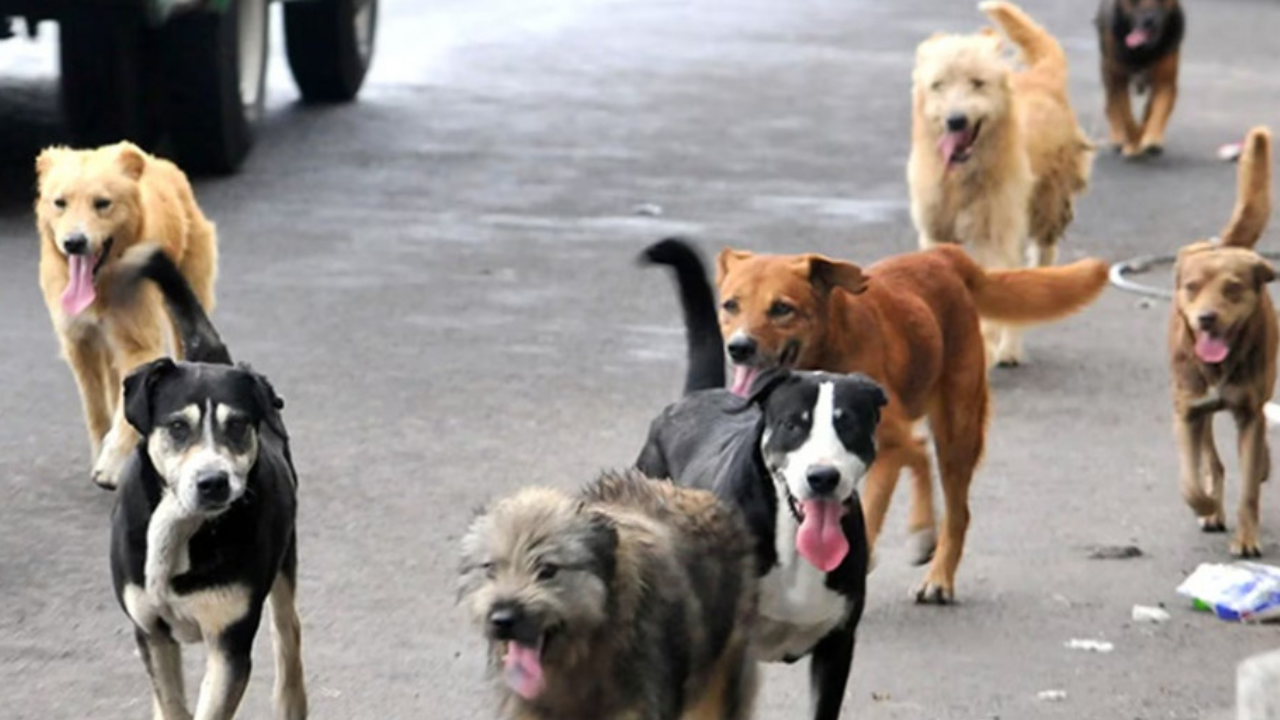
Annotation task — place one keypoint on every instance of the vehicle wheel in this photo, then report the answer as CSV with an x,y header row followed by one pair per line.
x,y
330,46
108,88
215,69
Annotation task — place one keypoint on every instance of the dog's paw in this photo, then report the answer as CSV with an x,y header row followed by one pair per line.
x,y
931,593
921,544
1213,524
111,462
1151,149
1131,152
1008,363
1246,547
872,561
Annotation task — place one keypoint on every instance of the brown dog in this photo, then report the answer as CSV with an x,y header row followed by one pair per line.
x,y
94,205
1222,350
1140,40
911,323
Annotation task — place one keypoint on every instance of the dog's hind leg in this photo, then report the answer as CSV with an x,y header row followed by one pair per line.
x,y
1255,466
227,667
286,636
1164,92
163,660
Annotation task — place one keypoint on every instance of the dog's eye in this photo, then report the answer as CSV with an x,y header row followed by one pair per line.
x,y
179,430
978,83
490,569
236,429
60,203
1233,291
546,571
101,204
780,309
730,306
936,86
1192,288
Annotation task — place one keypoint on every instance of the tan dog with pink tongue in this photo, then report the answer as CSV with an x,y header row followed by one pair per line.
x,y
93,206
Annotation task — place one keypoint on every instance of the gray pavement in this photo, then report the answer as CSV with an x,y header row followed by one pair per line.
x,y
439,280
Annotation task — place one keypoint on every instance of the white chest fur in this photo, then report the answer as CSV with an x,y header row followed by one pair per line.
x,y
193,616
797,609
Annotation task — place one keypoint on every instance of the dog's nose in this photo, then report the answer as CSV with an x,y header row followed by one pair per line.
x,y
957,122
77,244
503,619
741,348
1207,320
214,487
823,479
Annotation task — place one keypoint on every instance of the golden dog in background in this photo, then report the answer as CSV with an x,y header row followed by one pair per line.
x,y
996,155
93,205
1222,353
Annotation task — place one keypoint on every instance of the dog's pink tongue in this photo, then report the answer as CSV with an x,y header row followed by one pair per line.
x,y
1211,349
743,377
79,293
522,668
820,539
952,144
1136,38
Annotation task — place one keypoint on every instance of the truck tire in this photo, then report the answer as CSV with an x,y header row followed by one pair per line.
x,y
215,68
330,46
107,87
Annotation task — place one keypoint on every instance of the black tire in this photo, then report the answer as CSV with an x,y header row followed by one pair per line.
x,y
209,119
108,88
330,46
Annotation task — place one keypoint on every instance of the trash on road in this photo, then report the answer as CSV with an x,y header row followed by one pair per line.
x,y
1052,695
1098,646
1114,552
1239,592
1149,614
647,210
1230,152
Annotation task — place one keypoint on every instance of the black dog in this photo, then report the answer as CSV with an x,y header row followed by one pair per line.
x,y
1139,40
203,530
790,456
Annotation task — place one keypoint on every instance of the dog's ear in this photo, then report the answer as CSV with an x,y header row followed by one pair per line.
x,y
47,157
827,275
132,161
764,385
1263,273
725,261
138,388
602,543
269,403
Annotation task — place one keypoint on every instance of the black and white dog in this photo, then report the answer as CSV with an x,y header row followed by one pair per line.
x,y
790,456
203,530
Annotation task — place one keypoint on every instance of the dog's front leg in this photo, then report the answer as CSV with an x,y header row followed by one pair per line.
x,y
163,660
227,667
286,632
1255,466
1124,131
1164,92
133,343
1190,428
829,668
91,366
1213,475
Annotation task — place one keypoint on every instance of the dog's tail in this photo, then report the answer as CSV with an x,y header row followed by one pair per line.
x,y
1030,295
1039,48
200,340
1253,192
697,299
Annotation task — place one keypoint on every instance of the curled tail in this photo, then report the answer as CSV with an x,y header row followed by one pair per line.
x,y
1027,296
1039,48
200,340
1253,192
697,299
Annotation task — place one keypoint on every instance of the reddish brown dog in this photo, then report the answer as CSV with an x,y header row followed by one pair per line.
x,y
911,323
1222,351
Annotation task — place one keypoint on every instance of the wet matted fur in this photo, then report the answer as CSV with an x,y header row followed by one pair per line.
x,y
910,323
1222,353
93,206
1140,42
631,599
997,155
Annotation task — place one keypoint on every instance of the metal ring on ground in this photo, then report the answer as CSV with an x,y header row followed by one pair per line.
x,y
1120,272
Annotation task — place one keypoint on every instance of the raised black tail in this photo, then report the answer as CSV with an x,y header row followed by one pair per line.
x,y
200,340
706,346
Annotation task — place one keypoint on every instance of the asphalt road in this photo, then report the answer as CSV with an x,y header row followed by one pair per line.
x,y
439,280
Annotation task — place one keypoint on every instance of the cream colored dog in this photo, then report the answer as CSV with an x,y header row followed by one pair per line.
x,y
996,155
94,205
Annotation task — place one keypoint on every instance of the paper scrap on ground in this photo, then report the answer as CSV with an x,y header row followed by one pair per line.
x,y
1098,646
1149,614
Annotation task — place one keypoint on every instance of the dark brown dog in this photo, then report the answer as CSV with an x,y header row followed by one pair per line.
x,y
911,323
1222,350
1140,40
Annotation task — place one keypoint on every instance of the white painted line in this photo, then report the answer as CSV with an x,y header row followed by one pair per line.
x,y
1272,411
